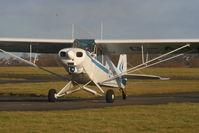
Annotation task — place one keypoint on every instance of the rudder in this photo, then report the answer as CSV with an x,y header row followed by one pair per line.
x,y
122,63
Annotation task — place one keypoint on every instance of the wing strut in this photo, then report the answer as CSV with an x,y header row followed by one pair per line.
x,y
145,65
30,53
32,64
142,54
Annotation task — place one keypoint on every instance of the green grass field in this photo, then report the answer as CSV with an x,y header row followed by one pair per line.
x,y
168,118
183,73
28,71
134,87
171,118
188,82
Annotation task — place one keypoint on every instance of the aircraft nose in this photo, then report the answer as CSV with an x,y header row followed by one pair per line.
x,y
71,54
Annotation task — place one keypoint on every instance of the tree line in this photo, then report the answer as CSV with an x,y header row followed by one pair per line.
x,y
52,60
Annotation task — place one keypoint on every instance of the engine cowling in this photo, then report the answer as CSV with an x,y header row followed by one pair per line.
x,y
72,58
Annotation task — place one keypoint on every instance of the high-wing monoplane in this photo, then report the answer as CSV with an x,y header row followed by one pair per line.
x,y
87,61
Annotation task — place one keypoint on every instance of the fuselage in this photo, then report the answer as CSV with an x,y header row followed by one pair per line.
x,y
83,67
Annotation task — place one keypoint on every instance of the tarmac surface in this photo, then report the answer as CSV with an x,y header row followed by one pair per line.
x,y
23,103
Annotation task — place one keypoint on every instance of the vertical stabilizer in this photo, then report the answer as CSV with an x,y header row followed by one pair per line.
x,y
122,63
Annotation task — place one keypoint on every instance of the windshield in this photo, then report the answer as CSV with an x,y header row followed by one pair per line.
x,y
86,44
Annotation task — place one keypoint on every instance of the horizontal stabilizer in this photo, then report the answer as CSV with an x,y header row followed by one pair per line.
x,y
143,76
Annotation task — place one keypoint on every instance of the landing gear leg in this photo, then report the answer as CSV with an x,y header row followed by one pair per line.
x,y
124,96
53,95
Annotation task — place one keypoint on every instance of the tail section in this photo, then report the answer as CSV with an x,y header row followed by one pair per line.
x,y
122,63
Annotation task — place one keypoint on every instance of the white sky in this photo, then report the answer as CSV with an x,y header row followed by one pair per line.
x,y
123,19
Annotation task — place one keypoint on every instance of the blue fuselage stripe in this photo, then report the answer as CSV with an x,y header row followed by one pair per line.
x,y
98,65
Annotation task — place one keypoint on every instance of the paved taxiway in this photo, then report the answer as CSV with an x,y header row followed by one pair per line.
x,y
22,103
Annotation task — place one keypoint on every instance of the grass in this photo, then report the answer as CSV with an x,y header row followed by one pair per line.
x,y
140,87
134,87
29,71
10,79
173,118
174,73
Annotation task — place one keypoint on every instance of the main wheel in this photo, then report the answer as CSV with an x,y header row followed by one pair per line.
x,y
51,95
110,96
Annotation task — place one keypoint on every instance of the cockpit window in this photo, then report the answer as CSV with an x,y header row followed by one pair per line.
x,y
86,44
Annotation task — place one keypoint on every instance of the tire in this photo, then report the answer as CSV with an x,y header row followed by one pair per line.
x,y
110,96
51,95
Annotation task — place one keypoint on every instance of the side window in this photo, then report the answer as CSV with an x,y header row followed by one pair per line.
x,y
99,55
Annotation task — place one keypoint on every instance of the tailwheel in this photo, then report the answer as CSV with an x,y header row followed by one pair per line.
x,y
110,96
123,95
51,95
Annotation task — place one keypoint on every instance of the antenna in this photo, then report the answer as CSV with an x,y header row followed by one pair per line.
x,y
86,32
102,30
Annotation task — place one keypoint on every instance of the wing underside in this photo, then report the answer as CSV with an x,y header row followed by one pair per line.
x,y
147,46
107,46
37,45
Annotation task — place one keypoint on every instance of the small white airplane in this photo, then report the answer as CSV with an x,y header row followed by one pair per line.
x,y
87,62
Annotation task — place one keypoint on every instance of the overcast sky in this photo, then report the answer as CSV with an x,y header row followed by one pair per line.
x,y
122,19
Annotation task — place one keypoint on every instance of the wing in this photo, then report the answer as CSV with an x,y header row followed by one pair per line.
x,y
148,46
38,45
